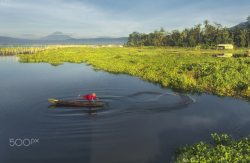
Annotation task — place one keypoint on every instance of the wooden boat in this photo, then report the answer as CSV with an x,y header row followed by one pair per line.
x,y
76,103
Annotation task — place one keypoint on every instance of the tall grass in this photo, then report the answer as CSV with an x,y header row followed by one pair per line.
x,y
8,51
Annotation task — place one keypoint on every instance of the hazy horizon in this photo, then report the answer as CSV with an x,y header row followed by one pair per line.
x,y
113,18
53,33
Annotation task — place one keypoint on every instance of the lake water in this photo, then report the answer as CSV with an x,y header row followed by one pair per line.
x,y
141,123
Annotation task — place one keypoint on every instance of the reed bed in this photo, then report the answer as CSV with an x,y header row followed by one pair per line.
x,y
7,51
10,51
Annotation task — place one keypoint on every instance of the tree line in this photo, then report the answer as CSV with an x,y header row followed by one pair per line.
x,y
202,35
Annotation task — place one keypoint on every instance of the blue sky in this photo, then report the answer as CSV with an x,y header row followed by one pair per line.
x,y
114,18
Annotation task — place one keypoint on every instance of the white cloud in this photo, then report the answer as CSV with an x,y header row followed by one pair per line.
x,y
48,16
84,19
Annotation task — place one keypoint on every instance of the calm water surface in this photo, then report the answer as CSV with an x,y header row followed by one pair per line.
x,y
141,123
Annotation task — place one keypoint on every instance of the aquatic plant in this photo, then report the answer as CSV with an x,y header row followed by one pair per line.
x,y
7,51
223,149
184,69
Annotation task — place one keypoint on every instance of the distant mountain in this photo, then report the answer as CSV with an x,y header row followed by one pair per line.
x,y
102,40
9,40
60,38
57,36
243,25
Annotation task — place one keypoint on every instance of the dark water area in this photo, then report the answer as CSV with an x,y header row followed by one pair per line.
x,y
141,122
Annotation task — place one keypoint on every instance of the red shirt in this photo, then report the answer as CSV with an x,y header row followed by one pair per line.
x,y
89,97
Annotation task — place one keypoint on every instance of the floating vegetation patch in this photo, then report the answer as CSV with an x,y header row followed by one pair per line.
x,y
183,69
223,149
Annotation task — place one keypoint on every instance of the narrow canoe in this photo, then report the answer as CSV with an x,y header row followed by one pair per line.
x,y
75,103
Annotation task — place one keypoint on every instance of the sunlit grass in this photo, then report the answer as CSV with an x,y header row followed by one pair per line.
x,y
7,51
183,69
20,50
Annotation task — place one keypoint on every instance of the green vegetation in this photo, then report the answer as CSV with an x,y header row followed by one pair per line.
x,y
6,51
223,149
184,69
206,36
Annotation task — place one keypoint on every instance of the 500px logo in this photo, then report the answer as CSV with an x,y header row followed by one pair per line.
x,y
26,142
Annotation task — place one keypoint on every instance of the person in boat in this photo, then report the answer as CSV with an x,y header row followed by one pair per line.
x,y
90,97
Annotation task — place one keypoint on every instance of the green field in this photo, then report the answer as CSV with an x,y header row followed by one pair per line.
x,y
183,69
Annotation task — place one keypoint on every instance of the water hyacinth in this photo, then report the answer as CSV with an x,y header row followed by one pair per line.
x,y
183,69
223,149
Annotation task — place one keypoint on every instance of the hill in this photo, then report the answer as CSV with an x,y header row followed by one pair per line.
x,y
57,36
61,38
243,25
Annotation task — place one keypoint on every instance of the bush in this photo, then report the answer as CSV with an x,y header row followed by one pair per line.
x,y
222,149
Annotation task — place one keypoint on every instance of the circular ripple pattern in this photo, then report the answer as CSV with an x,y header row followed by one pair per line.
x,y
117,102
69,122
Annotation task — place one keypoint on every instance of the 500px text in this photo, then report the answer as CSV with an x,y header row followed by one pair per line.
x,y
26,142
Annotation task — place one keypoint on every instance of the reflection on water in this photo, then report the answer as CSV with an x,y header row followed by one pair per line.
x,y
141,123
8,59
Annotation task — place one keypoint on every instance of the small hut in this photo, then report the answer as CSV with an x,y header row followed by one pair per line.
x,y
225,46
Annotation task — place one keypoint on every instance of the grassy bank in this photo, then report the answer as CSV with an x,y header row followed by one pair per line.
x,y
183,69
9,51
222,149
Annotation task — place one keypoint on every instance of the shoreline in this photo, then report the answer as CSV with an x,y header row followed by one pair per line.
x,y
176,68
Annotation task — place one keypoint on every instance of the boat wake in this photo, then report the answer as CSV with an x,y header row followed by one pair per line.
x,y
117,103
